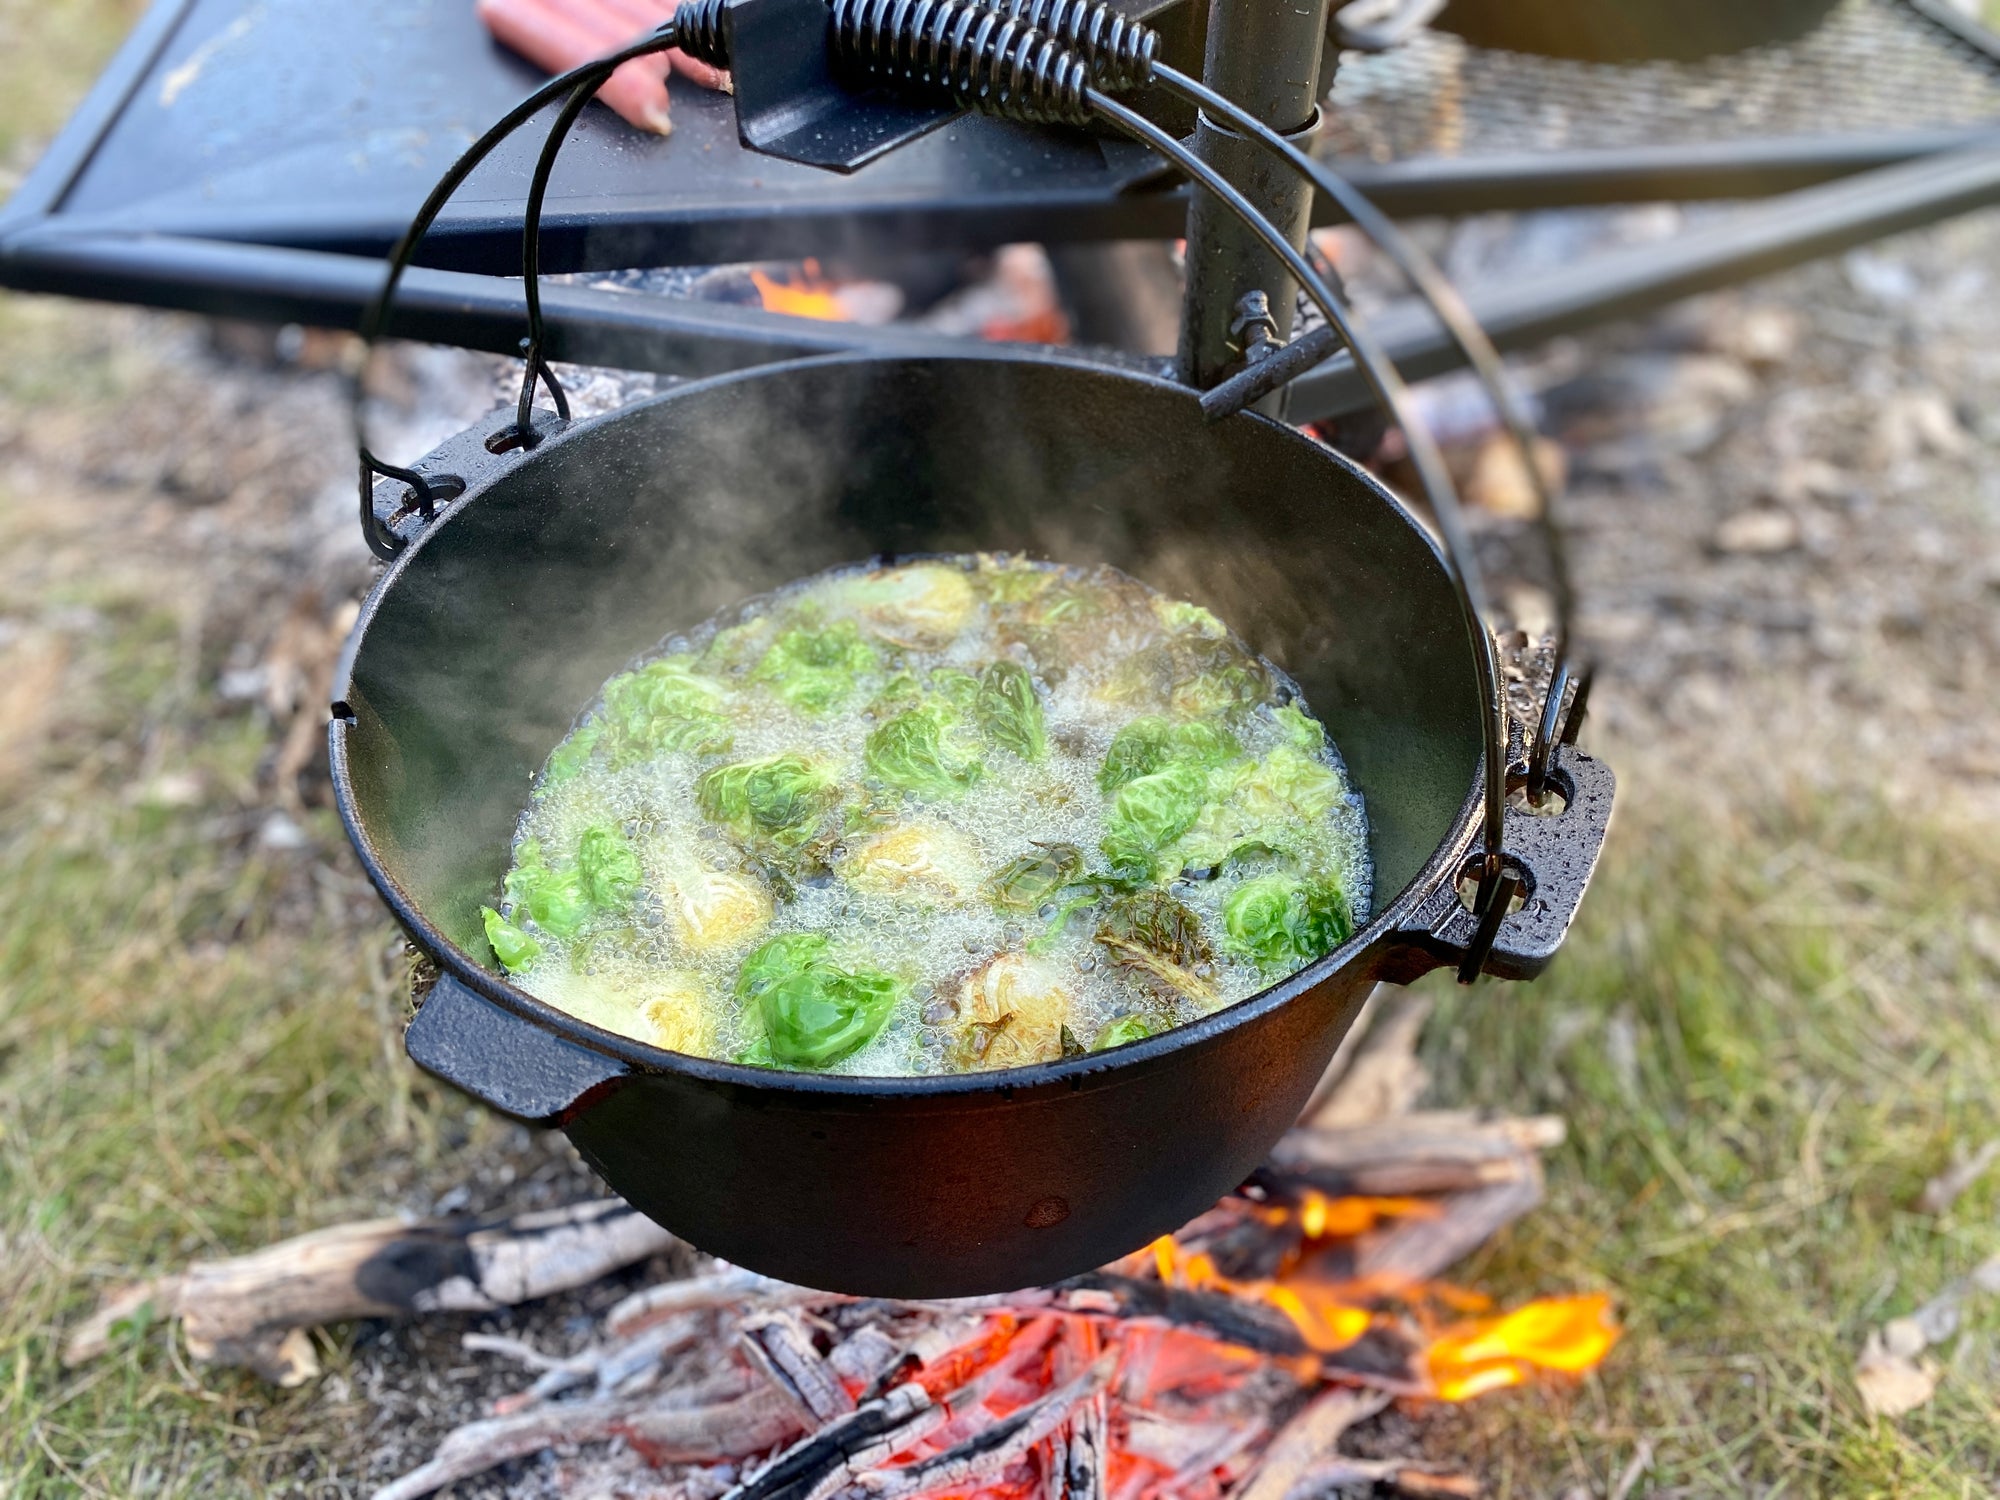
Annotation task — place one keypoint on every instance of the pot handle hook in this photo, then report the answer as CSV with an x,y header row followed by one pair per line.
x,y
1551,855
503,1059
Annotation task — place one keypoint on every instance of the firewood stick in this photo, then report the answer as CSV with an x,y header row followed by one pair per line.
x,y
1383,1078
246,1310
1306,1439
1411,1154
1410,1250
989,1453
879,1427
725,1287
779,1343
1083,1476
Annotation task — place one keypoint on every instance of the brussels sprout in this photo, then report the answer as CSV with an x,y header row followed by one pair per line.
x,y
715,909
1159,941
921,606
1152,811
817,668
814,1010
1277,805
1184,618
675,1015
665,706
1015,580
608,869
513,947
918,751
1153,743
779,798
1221,689
1012,1010
1134,1028
1282,921
571,756
1024,884
737,648
1300,728
1009,711
928,861
552,899
1289,783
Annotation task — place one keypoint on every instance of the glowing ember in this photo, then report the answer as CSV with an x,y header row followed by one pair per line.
x,y
806,295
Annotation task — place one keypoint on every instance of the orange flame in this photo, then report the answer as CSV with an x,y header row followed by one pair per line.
x,y
810,295
1570,1334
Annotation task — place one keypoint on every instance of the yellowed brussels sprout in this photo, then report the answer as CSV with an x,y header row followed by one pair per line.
x,y
921,861
921,606
716,909
675,1015
1012,1011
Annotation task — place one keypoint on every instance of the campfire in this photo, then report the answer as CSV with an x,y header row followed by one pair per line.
x,y
1224,1360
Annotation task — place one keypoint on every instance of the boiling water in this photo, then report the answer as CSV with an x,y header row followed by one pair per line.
x,y
900,880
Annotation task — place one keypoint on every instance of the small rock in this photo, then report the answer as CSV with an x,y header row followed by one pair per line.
x,y
1500,484
171,789
1874,275
1758,531
1762,337
280,833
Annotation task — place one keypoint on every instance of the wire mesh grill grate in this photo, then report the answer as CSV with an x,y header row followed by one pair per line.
x,y
1874,66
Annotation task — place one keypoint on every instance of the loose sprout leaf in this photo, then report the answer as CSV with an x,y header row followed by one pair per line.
x,y
1283,921
1009,711
666,706
1134,1028
817,668
780,798
609,869
1023,884
1301,728
918,751
1157,939
920,606
1151,812
814,1011
550,898
1153,743
513,947
571,756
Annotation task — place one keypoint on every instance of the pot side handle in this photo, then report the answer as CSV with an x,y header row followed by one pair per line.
x,y
503,1059
1558,853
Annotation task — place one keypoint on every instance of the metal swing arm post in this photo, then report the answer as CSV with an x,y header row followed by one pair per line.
x,y
1263,55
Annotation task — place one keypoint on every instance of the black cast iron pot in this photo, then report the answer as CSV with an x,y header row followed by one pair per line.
x,y
1620,31
555,566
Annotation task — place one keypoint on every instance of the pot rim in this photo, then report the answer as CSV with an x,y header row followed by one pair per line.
x,y
1068,1072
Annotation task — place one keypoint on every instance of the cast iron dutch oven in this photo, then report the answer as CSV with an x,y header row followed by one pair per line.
x,y
1620,31
555,566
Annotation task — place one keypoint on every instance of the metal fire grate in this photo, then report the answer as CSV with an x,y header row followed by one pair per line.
x,y
1874,66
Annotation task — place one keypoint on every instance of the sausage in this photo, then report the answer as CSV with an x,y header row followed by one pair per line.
x,y
551,33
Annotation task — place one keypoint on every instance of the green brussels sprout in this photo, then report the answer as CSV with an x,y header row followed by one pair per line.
x,y
1289,783
1153,743
1159,941
925,862
665,706
1184,618
1282,921
920,606
918,751
1221,689
1277,805
816,668
1152,811
1134,1028
1015,580
959,689
1023,884
514,948
735,649
1300,728
608,869
571,756
780,798
814,1010
1009,711
552,899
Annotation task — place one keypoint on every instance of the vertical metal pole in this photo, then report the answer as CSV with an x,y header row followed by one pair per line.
x,y
1264,55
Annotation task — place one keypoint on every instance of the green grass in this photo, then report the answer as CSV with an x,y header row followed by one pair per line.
x,y
1774,1019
